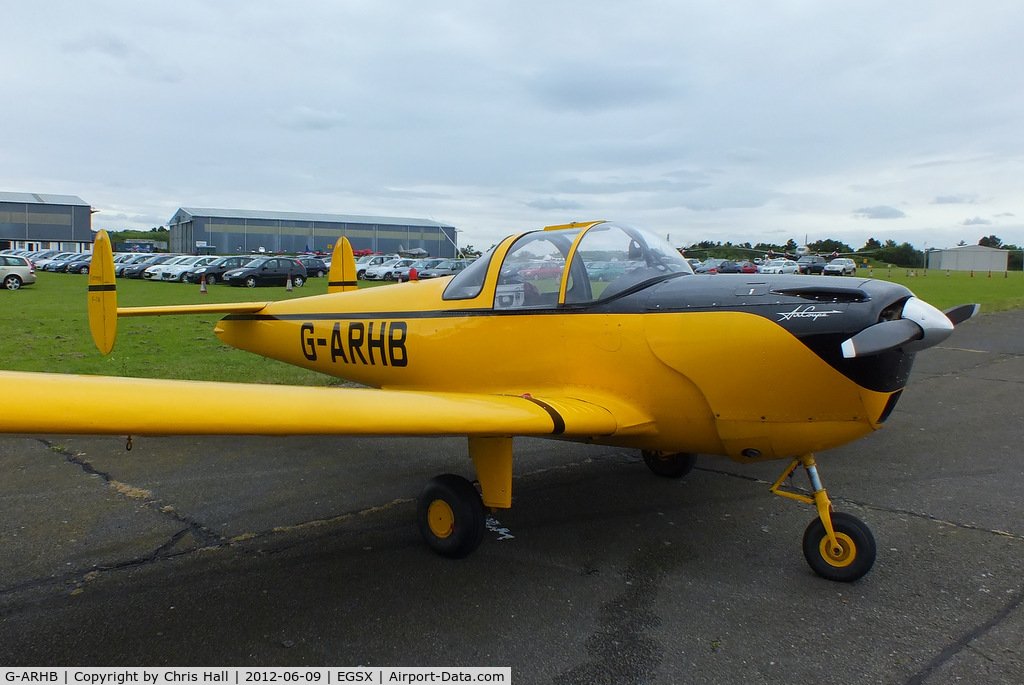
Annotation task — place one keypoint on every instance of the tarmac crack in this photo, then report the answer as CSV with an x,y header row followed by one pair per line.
x,y
204,537
875,507
964,643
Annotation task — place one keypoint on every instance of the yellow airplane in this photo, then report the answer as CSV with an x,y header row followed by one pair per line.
x,y
594,332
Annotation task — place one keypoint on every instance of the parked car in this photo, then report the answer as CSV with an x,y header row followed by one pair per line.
x,y
315,267
80,265
402,272
16,271
542,270
60,264
382,272
367,261
708,266
780,266
41,263
730,267
134,258
811,264
608,271
748,268
267,271
178,271
39,254
136,269
840,266
214,271
156,271
447,267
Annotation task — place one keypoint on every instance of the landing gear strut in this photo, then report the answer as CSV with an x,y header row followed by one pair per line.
x,y
669,464
837,546
451,514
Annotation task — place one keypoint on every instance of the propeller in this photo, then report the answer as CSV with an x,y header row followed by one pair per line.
x,y
919,327
960,314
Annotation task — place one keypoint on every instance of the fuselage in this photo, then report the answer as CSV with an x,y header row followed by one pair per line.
x,y
747,366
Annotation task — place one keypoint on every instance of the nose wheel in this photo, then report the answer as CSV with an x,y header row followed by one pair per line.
x,y
850,558
837,546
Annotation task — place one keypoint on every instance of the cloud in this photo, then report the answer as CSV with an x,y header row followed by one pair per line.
x,y
879,212
548,203
955,200
595,88
303,118
977,221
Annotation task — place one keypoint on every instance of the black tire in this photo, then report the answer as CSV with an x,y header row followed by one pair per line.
x,y
210,279
451,516
12,282
675,465
250,282
84,270
855,538
360,274
298,281
320,273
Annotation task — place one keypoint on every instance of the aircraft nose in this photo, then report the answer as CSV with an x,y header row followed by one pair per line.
x,y
919,327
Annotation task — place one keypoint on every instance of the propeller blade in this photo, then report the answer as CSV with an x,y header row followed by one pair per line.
x,y
880,337
961,313
919,327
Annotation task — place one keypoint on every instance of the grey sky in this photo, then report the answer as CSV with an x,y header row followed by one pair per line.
x,y
741,121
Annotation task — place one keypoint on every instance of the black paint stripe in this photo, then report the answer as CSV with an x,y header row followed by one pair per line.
x,y
342,283
365,316
556,418
105,287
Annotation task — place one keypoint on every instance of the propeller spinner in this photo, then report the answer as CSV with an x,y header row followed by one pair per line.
x,y
919,327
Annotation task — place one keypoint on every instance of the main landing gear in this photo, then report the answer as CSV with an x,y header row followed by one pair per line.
x,y
837,546
451,514
669,464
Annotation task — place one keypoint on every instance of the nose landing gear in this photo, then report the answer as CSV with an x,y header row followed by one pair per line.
x,y
837,546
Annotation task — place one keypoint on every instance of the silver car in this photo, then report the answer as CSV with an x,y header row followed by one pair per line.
x,y
16,271
840,266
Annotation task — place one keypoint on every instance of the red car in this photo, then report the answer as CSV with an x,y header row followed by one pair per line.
x,y
539,272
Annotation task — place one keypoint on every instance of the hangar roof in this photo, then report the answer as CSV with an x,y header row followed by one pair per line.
x,y
42,199
305,216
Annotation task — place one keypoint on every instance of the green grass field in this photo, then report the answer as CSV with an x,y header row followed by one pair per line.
x,y
45,327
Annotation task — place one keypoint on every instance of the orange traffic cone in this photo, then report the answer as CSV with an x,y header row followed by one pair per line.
x,y
288,284
202,284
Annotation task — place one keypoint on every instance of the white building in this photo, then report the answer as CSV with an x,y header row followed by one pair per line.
x,y
968,258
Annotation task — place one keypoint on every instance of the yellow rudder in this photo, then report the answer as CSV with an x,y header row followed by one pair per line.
x,y
342,277
102,294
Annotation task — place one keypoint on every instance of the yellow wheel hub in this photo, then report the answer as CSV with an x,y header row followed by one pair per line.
x,y
441,518
846,554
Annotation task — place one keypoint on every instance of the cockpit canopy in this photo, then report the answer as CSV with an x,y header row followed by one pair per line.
x,y
571,265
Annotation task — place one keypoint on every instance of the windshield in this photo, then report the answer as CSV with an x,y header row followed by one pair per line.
x,y
608,260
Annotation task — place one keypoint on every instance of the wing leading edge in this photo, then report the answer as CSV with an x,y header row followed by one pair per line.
x,y
102,405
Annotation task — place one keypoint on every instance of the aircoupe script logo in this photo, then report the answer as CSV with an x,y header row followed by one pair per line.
x,y
808,312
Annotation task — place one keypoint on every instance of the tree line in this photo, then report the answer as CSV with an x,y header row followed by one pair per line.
x,y
888,252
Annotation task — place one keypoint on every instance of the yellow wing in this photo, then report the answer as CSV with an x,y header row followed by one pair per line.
x,y
51,403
